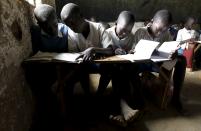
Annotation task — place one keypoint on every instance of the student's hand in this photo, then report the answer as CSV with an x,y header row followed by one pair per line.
x,y
89,54
131,52
192,40
120,51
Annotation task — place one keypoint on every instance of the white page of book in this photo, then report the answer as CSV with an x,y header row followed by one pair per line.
x,y
70,57
167,48
144,49
127,57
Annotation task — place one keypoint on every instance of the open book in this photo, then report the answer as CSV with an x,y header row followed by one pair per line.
x,y
47,57
147,50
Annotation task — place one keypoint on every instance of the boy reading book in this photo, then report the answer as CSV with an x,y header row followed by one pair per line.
x,y
157,31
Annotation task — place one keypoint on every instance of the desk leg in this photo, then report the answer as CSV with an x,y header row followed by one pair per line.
x,y
63,78
60,91
165,76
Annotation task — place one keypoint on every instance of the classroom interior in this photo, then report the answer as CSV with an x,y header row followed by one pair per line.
x,y
24,108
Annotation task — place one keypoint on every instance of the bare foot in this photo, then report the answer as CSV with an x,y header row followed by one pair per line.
x,y
118,120
129,114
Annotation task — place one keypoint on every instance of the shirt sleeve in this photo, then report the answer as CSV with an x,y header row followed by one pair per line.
x,y
136,38
179,36
106,40
166,37
73,45
196,35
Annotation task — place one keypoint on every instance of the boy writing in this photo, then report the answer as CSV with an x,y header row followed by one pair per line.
x,y
123,42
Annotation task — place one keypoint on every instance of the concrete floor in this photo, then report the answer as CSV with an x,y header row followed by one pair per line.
x,y
85,113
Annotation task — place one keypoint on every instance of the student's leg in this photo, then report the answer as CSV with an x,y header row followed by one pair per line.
x,y
128,109
105,72
115,116
178,79
83,77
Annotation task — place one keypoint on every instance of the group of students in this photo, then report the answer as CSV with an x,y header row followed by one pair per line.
x,y
91,39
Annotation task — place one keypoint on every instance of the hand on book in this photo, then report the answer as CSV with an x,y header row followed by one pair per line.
x,y
88,54
120,51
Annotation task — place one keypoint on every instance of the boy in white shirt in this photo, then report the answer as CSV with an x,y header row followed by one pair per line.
x,y
85,36
187,34
89,38
123,41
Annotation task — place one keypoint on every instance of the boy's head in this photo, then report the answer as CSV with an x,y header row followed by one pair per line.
x,y
190,22
125,23
72,17
161,22
46,19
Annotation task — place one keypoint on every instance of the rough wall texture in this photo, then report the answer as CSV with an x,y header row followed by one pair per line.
x,y
108,10
16,104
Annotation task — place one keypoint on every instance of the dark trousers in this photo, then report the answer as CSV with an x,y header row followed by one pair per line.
x,y
178,76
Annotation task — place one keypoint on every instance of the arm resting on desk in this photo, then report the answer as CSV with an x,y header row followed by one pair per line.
x,y
91,52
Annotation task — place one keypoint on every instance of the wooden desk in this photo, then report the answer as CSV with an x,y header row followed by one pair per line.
x,y
164,74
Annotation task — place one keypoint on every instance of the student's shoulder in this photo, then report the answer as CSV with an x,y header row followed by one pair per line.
x,y
97,26
94,24
141,30
111,29
181,30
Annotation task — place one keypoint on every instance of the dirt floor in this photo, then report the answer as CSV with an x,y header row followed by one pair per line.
x,y
90,114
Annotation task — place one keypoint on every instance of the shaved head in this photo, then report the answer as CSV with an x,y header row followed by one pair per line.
x,y
126,18
164,16
125,23
160,22
43,12
47,19
69,11
72,17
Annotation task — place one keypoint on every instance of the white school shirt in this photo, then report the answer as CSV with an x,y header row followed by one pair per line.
x,y
125,43
97,37
184,34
